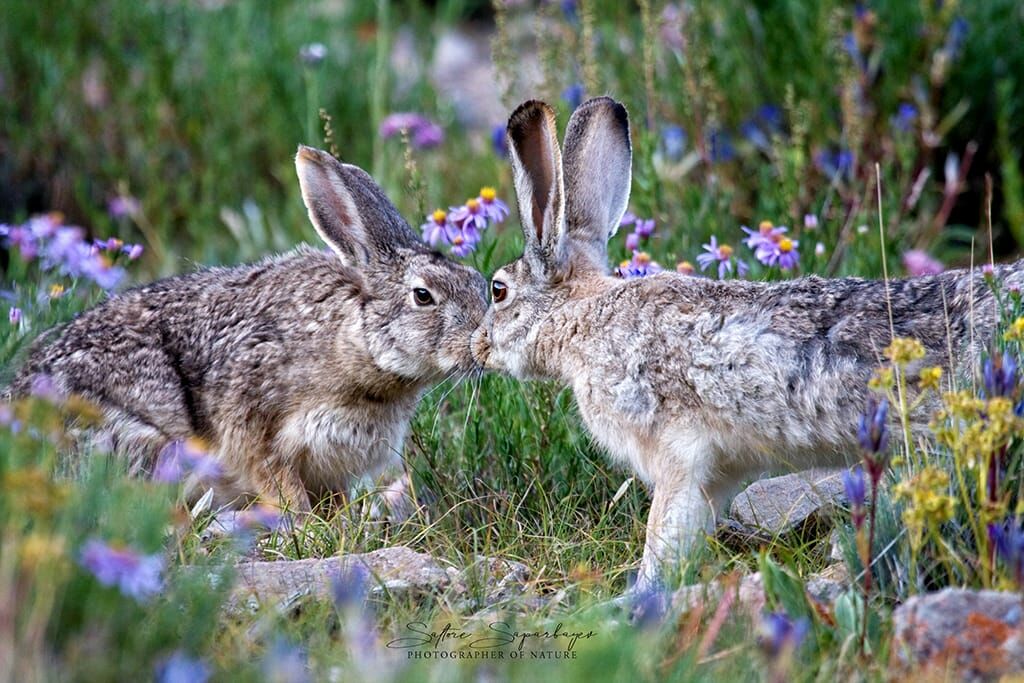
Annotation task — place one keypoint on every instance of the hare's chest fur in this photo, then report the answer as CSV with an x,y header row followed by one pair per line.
x,y
334,445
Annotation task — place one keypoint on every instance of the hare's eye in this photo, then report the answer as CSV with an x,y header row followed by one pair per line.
x,y
499,290
422,297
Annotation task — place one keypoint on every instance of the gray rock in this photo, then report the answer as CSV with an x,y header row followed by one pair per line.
x,y
392,572
966,634
828,584
783,504
749,595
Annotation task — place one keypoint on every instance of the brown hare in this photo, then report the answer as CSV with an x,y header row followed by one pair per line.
x,y
300,372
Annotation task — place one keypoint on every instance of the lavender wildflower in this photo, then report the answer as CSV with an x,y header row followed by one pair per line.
x,y
644,227
285,664
423,132
469,218
313,54
133,251
628,218
44,387
428,136
671,32
632,243
873,436
180,668
493,208
771,246
640,265
819,249
349,586
438,228
723,255
134,574
918,262
685,268
649,608
184,458
14,315
810,221
123,207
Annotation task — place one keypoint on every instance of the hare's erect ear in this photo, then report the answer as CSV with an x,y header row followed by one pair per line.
x,y
597,162
348,210
537,168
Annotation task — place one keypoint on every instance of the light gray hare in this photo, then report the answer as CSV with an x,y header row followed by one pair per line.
x,y
695,384
300,372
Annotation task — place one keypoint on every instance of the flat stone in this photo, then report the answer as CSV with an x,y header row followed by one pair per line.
x,y
959,634
391,571
782,504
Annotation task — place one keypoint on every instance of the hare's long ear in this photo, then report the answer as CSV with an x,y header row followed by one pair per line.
x,y
537,170
349,210
597,162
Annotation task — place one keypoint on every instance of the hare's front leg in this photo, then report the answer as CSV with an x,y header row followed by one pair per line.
x,y
680,512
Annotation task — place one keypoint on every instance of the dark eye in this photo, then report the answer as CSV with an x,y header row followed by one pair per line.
x,y
422,297
499,290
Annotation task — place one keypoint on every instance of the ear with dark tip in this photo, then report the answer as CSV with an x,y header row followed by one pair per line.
x,y
349,210
537,171
597,165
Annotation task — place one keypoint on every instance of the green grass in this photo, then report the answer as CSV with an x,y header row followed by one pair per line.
x,y
196,108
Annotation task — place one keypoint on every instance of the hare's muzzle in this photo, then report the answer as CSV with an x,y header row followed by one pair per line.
x,y
480,346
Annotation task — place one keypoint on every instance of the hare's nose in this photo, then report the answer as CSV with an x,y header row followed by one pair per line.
x,y
480,346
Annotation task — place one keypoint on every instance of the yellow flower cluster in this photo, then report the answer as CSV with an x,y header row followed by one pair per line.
x,y
928,501
904,350
1015,333
974,429
930,378
882,380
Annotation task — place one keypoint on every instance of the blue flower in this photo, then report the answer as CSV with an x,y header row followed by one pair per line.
x,y
573,95
856,494
499,140
673,142
906,114
720,146
180,668
872,428
1008,540
780,633
1000,375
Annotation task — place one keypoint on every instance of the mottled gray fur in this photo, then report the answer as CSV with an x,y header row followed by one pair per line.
x,y
300,372
698,384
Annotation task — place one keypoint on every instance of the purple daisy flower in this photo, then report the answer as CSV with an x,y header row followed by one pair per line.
x,y
134,574
438,228
463,245
644,227
632,241
628,218
640,265
469,218
423,132
723,255
14,315
493,208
